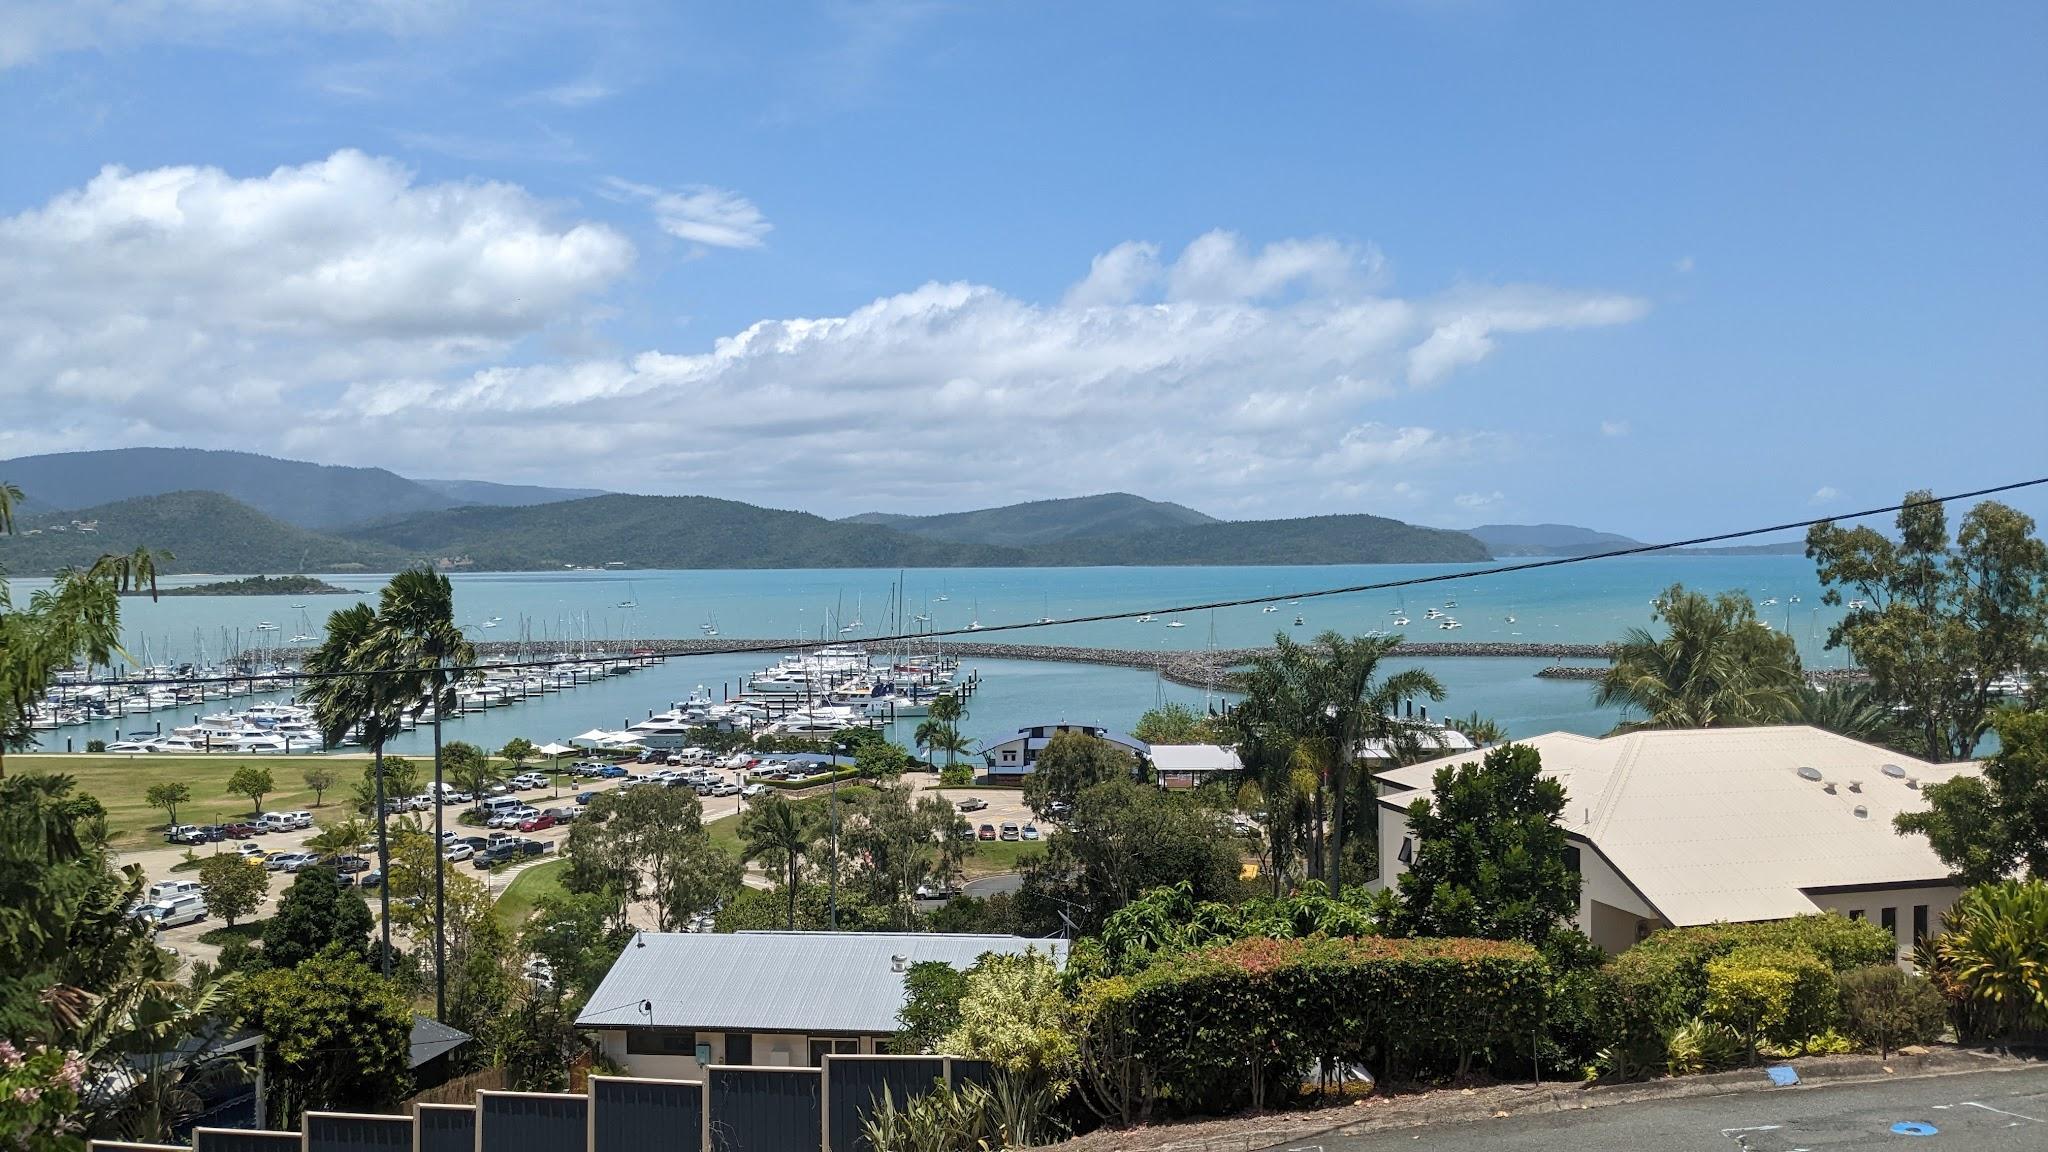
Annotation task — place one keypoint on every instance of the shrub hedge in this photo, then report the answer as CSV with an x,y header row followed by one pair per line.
x,y
1218,1027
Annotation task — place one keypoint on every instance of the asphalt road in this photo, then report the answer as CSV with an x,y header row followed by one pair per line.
x,y
1995,1111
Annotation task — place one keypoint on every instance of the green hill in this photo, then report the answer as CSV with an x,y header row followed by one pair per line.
x,y
206,531
313,496
1353,539
1546,539
667,532
509,495
1044,521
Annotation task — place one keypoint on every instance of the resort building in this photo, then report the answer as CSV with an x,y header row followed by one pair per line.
x,y
1191,765
676,1002
1694,826
1014,756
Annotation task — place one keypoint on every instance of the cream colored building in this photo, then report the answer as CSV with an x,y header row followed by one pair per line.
x,y
1694,826
676,1002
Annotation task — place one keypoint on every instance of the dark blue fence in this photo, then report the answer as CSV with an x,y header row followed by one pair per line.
x,y
854,1087
532,1122
243,1140
628,1115
446,1127
341,1132
764,1109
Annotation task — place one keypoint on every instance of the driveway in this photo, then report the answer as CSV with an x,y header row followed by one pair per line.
x,y
1993,1111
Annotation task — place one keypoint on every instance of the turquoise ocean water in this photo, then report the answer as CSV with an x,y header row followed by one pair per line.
x,y
1587,603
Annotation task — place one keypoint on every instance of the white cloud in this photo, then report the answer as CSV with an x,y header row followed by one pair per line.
x,y
701,214
31,30
1465,323
1683,265
1614,428
575,94
343,312
1823,495
1478,501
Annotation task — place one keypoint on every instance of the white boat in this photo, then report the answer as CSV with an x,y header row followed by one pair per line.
x,y
1400,621
133,746
1270,608
1145,619
1175,624
1297,621
1449,624
1432,614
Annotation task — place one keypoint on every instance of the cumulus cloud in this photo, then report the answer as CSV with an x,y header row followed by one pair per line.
x,y
343,311
1824,495
701,214
1478,501
1614,428
1464,324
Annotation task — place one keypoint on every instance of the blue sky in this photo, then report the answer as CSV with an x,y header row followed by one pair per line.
x,y
1649,270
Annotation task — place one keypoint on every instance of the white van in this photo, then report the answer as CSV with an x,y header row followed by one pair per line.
x,y
300,819
189,909
502,805
164,890
274,822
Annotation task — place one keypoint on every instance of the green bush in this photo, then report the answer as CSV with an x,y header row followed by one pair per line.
x,y
956,774
1991,961
1770,994
1884,1006
1661,983
1234,1024
95,745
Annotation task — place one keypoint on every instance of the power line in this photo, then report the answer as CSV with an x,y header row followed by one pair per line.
x,y
772,646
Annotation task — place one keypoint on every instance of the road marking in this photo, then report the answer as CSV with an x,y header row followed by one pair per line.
x,y
1730,1132
2000,1111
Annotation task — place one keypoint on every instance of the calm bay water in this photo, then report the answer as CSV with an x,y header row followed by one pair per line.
x,y
1581,603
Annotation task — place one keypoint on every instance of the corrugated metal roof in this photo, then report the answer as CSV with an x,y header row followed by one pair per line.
x,y
1194,758
431,1038
778,981
1718,824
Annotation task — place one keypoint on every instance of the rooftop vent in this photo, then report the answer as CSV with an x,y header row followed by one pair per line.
x,y
1809,773
1855,785
1862,813
1912,782
896,962
1828,787
1894,771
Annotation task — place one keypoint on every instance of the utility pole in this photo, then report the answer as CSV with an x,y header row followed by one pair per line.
x,y
440,858
374,725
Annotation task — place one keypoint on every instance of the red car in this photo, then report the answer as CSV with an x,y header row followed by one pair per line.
x,y
536,823
988,832
241,831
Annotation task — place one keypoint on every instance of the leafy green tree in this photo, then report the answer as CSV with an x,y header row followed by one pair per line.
x,y
880,760
340,837
650,843
167,795
1716,666
483,981
1070,763
931,1005
1490,853
1013,1014
818,909
516,752
1176,723
232,887
778,837
1121,839
253,781
76,619
1985,828
1942,622
314,915
471,770
1884,1006
320,776
992,915
338,1036
898,842
573,932
401,778
956,776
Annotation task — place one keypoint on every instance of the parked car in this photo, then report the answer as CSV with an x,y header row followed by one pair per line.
x,y
539,822
290,861
212,833
374,878
457,853
973,804
612,772
1031,831
585,797
936,891
987,832
559,815
182,834
252,852
532,847
240,831
494,855
753,790
188,909
350,865
478,843
164,890
1011,831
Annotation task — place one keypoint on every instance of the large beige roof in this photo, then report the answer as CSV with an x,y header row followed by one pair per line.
x,y
1718,823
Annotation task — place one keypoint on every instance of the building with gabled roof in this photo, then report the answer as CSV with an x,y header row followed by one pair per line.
x,y
1693,826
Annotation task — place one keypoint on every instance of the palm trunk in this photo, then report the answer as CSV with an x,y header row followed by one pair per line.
x,y
383,854
440,870
1337,828
792,892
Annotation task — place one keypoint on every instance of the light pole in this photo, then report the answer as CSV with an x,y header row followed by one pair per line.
x,y
832,878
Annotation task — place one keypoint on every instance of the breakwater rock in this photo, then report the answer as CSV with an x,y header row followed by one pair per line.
x,y
1198,668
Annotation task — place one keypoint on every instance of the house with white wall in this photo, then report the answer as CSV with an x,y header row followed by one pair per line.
x,y
1692,826
677,1002
1013,757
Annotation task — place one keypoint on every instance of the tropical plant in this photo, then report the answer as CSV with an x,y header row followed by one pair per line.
x,y
1985,827
1852,710
1993,955
10,495
471,770
77,618
1070,763
1013,1014
340,836
1716,666
40,1089
1884,1006
1479,729
1760,993
1121,839
931,1005
650,843
314,916
778,837
517,751
1941,622
337,1035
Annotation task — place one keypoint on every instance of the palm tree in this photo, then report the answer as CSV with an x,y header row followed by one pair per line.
x,y
78,617
416,636
132,572
1852,710
1716,666
777,834
344,699
1362,707
1481,730
9,497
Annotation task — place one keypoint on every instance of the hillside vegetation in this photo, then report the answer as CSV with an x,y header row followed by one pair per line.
x,y
1044,521
206,531
309,495
1355,539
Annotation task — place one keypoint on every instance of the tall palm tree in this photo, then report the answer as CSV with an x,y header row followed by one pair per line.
x,y
1360,706
1852,710
417,640
78,617
1481,730
9,497
777,834
132,572
344,699
1716,666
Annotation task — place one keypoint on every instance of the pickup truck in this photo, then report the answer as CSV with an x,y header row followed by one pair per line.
x,y
973,804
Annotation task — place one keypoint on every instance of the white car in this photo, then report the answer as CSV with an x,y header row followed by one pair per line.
x,y
753,790
458,852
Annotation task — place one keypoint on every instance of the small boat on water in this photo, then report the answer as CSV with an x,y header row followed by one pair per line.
x,y
1297,621
1145,619
1270,608
1175,624
1401,621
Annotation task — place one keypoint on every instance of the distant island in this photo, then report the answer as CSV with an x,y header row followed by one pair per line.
x,y
263,586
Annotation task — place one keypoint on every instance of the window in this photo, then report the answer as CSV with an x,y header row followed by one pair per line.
x,y
661,1042
1407,853
1571,858
1855,913
837,1046
1889,917
739,1047
1009,755
1919,923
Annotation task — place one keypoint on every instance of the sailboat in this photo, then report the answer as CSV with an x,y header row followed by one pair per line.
x,y
1046,608
1270,608
974,622
632,599
305,635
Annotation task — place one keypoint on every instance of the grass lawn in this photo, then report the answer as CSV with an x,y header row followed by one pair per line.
x,y
120,781
527,888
